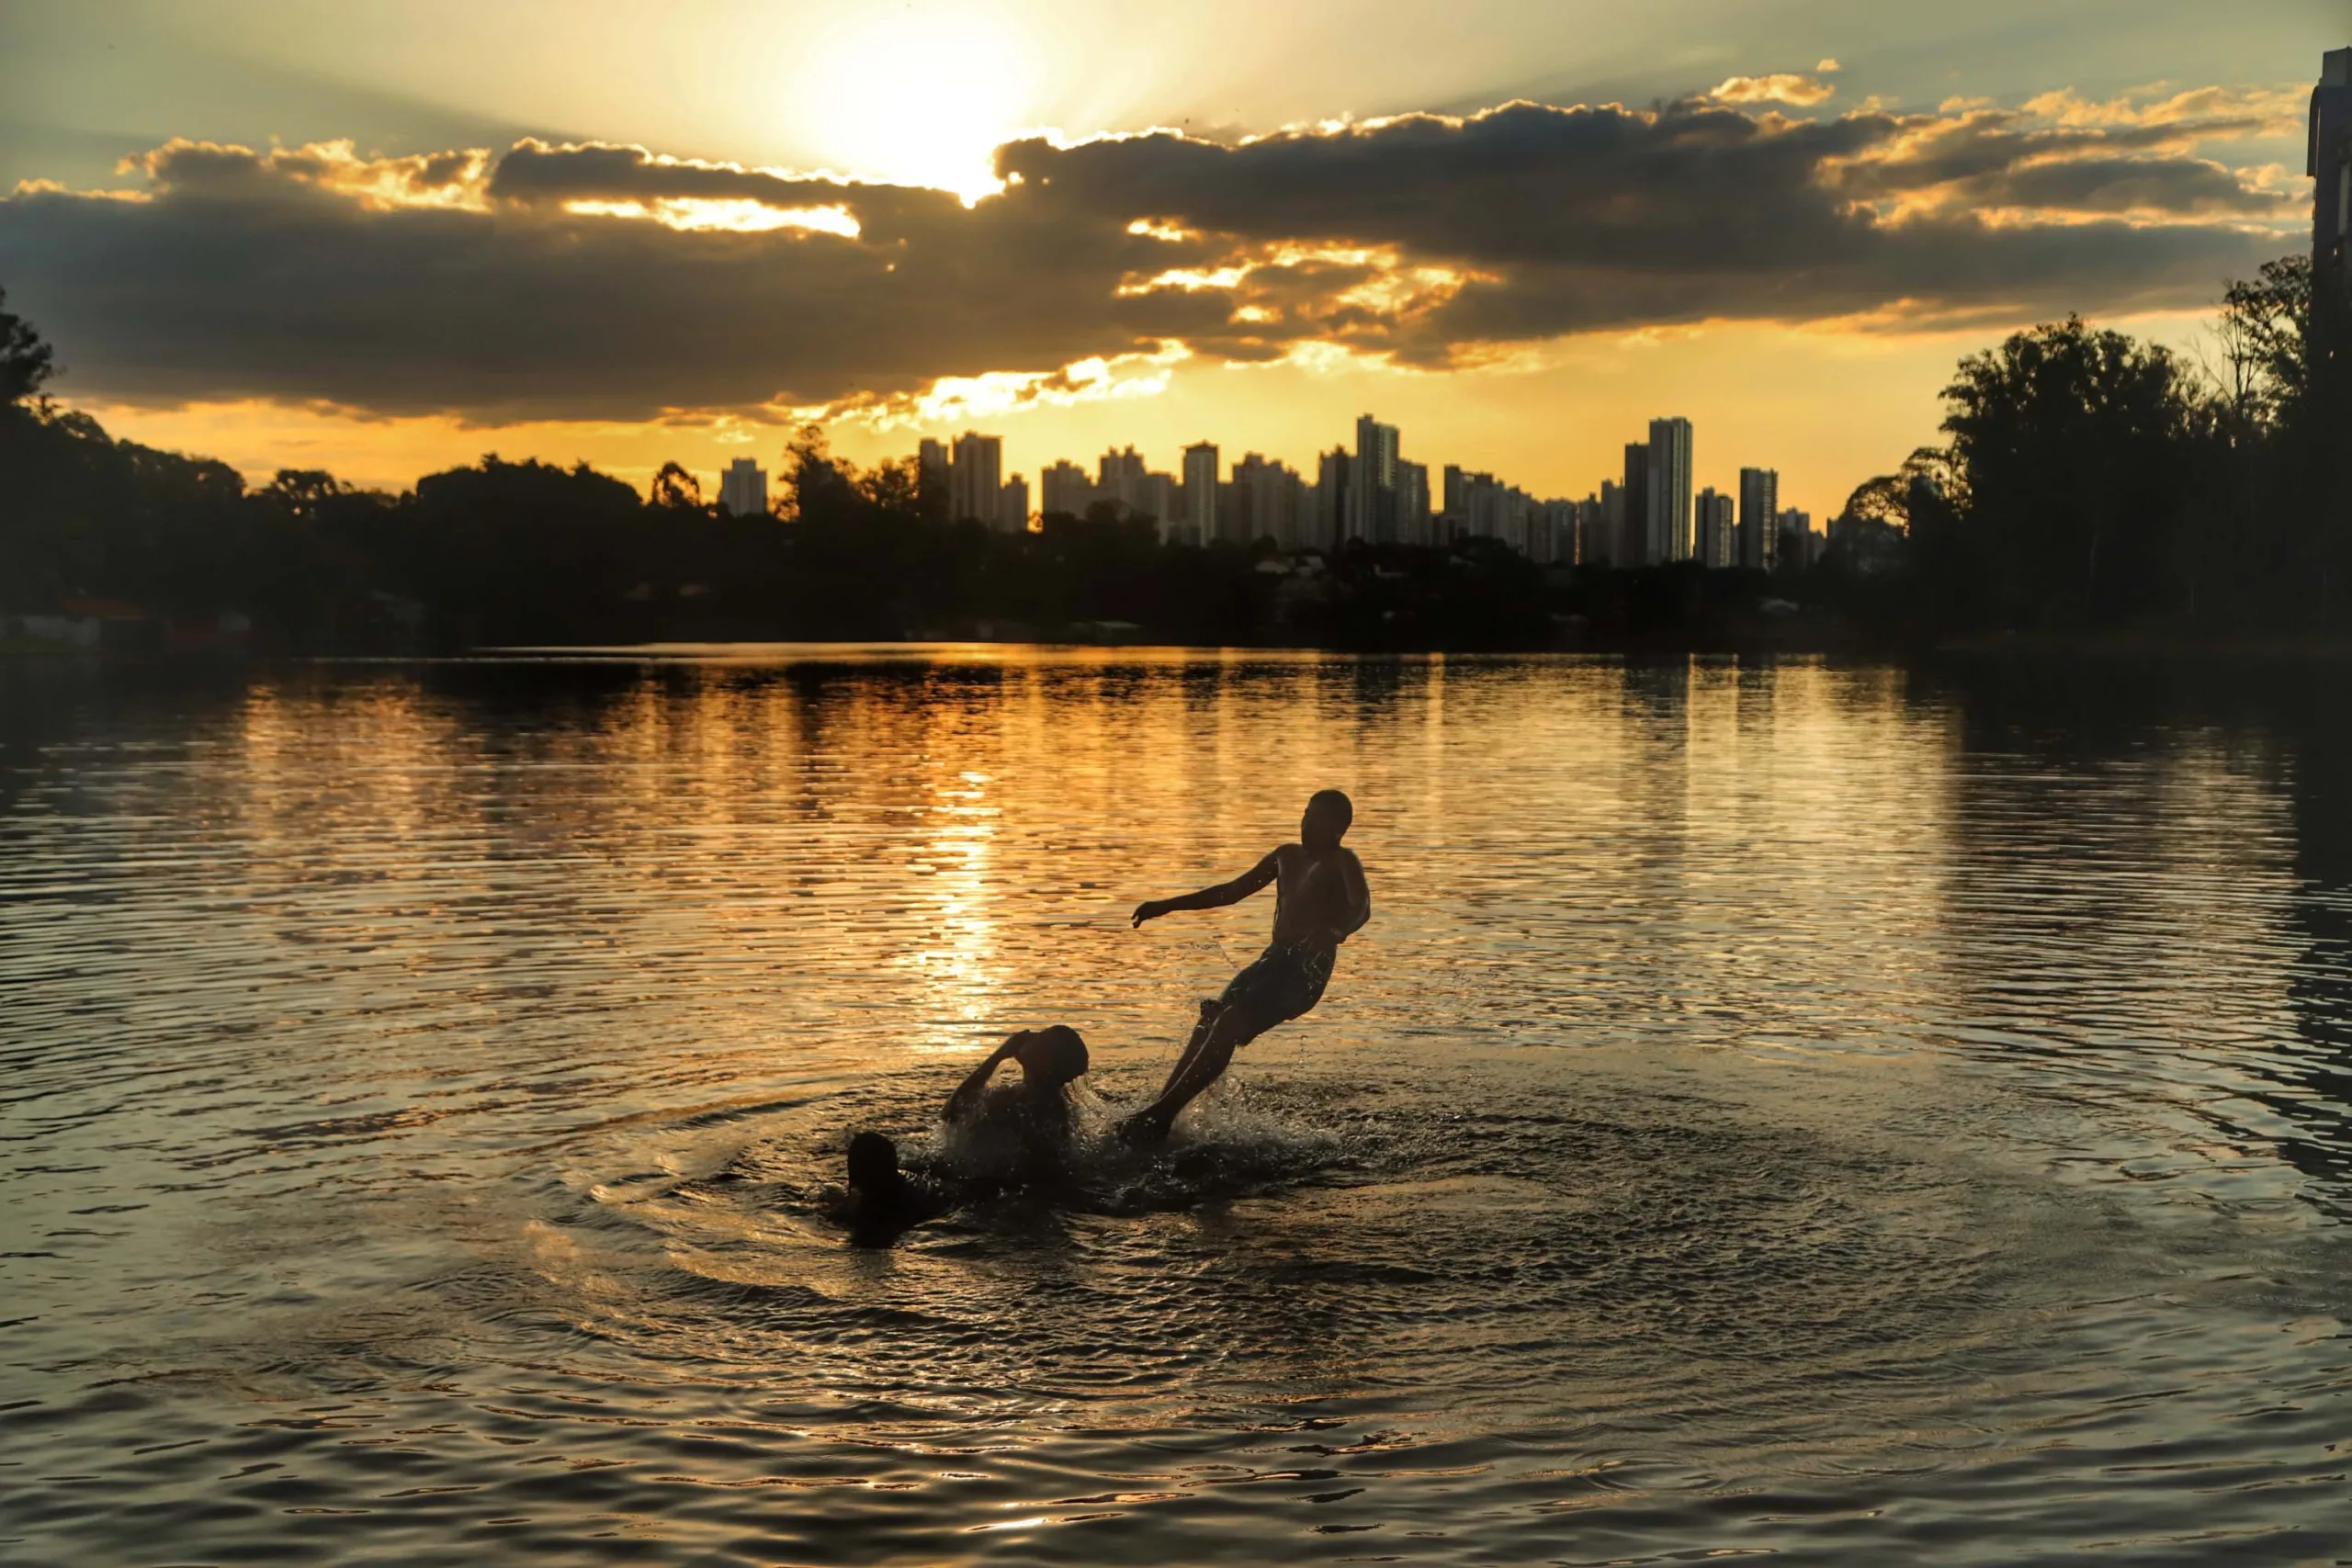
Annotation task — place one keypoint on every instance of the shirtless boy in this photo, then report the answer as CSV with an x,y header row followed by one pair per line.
x,y
1321,900
1030,1123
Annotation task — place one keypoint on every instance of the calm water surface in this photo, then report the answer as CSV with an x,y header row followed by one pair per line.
x,y
1822,1112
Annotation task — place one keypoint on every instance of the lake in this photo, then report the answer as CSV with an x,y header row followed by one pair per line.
x,y
1843,1113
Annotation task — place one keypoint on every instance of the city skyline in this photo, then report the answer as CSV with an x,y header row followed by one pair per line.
x,y
1783,223
1372,495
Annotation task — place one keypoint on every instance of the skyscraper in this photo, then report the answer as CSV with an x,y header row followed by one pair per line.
x,y
1065,488
975,477
1120,479
1199,489
1334,474
1160,498
1759,518
1592,537
2329,163
1412,509
1667,504
743,489
1633,541
1013,507
1608,545
931,478
1371,487
1714,530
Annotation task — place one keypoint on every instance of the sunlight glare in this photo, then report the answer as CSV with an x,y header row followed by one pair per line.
x,y
919,96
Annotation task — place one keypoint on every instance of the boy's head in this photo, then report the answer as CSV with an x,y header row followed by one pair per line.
x,y
1329,812
1053,1055
873,1163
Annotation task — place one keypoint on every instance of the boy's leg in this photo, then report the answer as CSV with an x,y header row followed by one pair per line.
x,y
1230,1030
1209,1009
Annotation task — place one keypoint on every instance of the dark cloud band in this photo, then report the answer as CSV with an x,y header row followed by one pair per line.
x,y
569,282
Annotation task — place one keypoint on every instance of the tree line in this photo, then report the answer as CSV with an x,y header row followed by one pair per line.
x,y
2089,483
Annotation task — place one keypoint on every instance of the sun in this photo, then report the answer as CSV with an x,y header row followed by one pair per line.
x,y
919,96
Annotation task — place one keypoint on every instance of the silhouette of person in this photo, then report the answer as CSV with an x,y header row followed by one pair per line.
x,y
1028,1125
1022,1132
1320,899
883,1200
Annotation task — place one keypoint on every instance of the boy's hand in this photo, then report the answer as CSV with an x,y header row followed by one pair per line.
x,y
1149,910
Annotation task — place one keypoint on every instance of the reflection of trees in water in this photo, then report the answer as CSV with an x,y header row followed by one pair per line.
x,y
2073,781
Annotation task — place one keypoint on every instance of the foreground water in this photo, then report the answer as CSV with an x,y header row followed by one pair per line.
x,y
1822,1112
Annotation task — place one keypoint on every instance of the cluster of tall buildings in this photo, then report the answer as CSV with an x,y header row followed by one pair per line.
x,y
1648,516
970,473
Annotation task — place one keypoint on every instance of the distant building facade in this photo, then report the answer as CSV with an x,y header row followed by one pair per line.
x,y
1666,505
1759,518
1716,527
1634,507
1372,486
976,479
1201,491
1334,474
1065,488
743,489
1412,505
1013,507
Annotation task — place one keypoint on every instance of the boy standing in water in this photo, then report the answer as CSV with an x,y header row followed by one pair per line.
x,y
1321,900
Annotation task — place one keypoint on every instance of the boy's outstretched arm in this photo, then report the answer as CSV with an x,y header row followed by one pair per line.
x,y
1215,897
966,1097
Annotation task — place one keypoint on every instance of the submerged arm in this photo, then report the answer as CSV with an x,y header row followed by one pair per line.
x,y
1215,897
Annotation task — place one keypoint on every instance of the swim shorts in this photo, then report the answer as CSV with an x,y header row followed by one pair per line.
x,y
1280,984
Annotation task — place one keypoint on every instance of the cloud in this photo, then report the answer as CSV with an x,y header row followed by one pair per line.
x,y
1780,87
596,281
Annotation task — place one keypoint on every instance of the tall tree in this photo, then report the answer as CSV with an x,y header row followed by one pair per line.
x,y
26,362
2078,455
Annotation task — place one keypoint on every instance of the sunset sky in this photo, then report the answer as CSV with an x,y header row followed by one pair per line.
x,y
386,238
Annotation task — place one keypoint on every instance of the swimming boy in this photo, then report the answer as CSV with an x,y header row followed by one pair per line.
x,y
1030,1123
1321,900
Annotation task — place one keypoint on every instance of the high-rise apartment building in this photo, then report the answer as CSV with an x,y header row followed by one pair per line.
x,y
1632,543
1065,488
743,489
1759,518
1119,477
1265,497
1799,545
1666,505
931,478
1715,530
975,477
1372,486
2329,163
1334,476
1158,497
1412,507
1199,489
1592,533
1013,507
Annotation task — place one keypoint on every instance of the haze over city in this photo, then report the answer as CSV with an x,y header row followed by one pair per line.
x,y
385,239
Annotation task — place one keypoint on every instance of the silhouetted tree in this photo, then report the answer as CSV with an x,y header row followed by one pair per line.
x,y
26,362
676,489
2080,453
